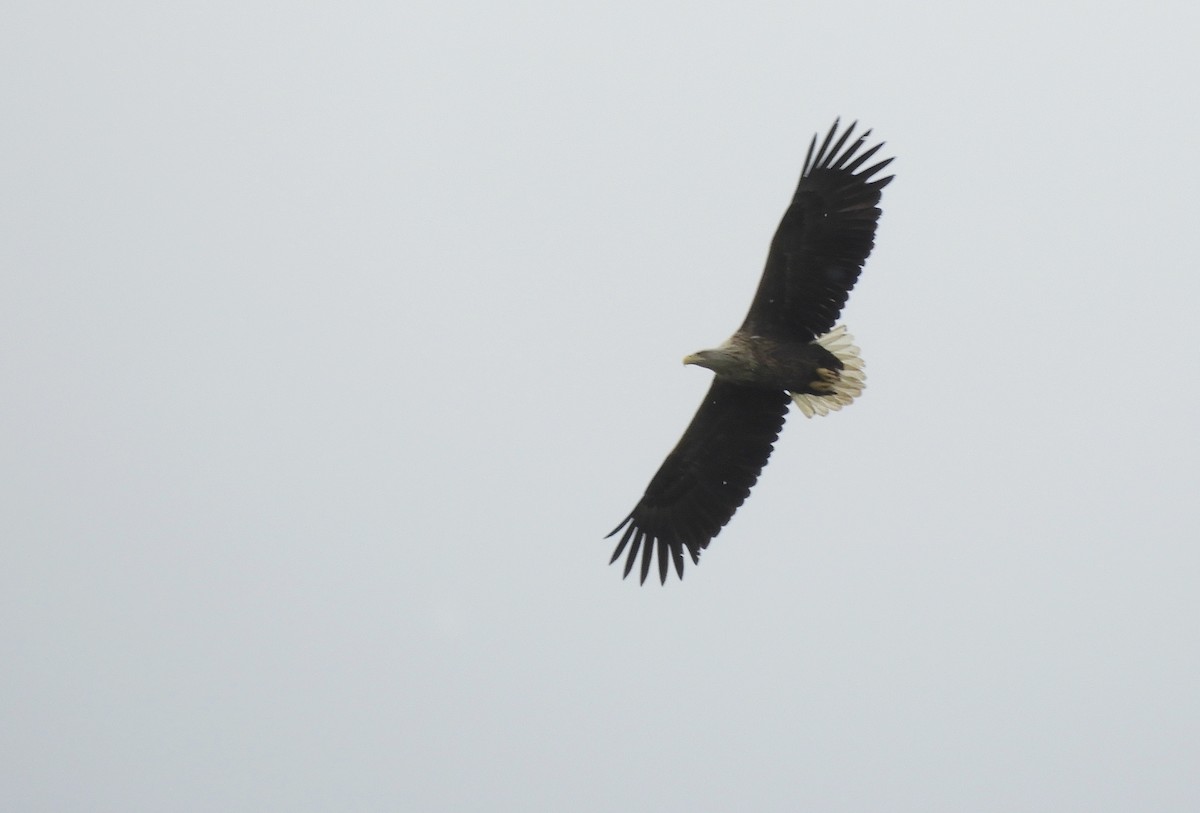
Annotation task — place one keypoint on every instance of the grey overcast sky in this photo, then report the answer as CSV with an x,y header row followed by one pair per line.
x,y
335,337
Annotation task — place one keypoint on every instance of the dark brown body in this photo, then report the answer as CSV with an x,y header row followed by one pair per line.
x,y
760,361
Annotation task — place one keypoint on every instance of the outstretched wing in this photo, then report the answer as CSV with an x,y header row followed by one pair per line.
x,y
822,242
705,478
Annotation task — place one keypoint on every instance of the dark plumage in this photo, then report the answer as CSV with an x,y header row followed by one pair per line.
x,y
787,349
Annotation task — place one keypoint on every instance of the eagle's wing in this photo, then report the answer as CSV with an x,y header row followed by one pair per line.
x,y
822,242
705,478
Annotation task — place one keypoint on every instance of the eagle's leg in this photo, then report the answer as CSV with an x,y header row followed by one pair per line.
x,y
826,381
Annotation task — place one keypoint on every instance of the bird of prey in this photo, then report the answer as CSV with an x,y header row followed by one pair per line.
x,y
788,349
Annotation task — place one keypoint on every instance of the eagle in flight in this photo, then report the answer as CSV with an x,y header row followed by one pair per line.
x,y
788,349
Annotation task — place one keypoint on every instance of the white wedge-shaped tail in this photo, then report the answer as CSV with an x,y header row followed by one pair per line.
x,y
847,385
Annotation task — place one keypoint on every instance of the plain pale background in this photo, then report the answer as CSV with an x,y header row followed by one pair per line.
x,y
333,338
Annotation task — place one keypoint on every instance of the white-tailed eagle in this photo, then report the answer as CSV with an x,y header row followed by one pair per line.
x,y
788,349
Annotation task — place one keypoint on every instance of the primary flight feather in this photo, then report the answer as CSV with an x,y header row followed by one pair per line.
x,y
787,350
